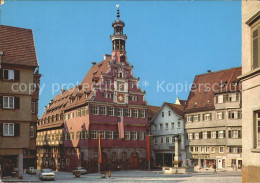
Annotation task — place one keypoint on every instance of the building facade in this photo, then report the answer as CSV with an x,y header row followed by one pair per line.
x,y
250,79
108,102
167,124
213,120
19,94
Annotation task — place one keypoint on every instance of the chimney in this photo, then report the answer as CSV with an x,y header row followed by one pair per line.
x,y
209,71
94,63
106,56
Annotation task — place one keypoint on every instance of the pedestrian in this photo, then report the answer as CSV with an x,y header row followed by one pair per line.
x,y
214,167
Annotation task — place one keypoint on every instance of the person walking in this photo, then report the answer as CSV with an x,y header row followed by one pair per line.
x,y
214,167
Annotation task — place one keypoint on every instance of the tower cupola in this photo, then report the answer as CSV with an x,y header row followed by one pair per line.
x,y
118,38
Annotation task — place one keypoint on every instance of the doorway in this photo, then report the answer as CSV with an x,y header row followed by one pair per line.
x,y
134,160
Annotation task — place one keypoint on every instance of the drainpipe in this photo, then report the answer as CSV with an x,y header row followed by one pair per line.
x,y
1,54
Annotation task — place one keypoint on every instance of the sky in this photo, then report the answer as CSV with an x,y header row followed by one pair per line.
x,y
169,42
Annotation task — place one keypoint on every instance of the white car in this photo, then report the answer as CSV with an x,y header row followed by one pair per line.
x,y
47,174
80,169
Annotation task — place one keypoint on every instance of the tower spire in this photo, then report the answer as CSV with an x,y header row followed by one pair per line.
x,y
118,12
118,38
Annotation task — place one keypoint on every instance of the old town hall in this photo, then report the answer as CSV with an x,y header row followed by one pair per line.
x,y
108,102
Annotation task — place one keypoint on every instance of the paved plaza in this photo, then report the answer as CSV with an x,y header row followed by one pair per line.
x,y
142,176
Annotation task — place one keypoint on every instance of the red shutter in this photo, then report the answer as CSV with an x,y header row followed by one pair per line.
x,y
17,102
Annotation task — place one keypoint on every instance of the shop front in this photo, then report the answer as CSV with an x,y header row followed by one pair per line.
x,y
9,165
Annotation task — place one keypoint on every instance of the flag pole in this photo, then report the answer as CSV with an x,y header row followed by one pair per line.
x,y
99,152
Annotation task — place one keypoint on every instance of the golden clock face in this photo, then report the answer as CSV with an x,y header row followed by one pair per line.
x,y
120,98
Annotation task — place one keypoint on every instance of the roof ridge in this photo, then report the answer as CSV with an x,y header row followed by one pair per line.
x,y
218,71
15,27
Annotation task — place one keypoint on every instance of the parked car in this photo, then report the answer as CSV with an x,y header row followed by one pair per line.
x,y
80,169
47,174
31,170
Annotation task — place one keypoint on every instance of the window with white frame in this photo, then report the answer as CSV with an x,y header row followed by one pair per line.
x,y
220,99
120,112
8,102
166,126
142,114
173,139
221,134
155,140
134,136
111,111
202,149
162,114
212,149
8,74
206,149
207,117
172,125
204,135
128,112
141,136
213,135
220,115
102,110
94,110
257,128
169,113
179,124
196,149
167,140
102,134
191,149
197,136
221,149
8,129
161,140
134,113
190,136
155,126
161,126
110,134
127,135
196,118
94,134
235,114
189,118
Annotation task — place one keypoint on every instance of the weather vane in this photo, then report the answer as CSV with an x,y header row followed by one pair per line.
x,y
118,13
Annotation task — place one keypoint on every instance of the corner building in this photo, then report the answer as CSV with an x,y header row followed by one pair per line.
x,y
108,95
214,120
250,79
19,95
